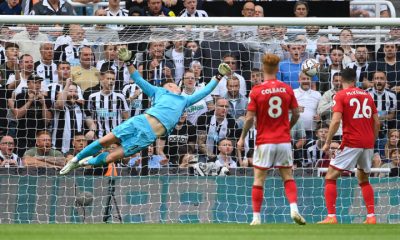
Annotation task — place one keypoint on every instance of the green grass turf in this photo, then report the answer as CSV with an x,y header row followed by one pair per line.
x,y
197,231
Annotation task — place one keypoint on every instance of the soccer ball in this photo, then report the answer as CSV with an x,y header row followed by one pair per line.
x,y
310,67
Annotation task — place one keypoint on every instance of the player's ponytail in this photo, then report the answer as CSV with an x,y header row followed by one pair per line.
x,y
270,63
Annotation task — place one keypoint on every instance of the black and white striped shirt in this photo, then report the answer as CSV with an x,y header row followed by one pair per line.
x,y
385,102
69,53
13,157
122,12
122,75
313,153
54,89
359,70
47,72
106,110
65,123
197,13
136,105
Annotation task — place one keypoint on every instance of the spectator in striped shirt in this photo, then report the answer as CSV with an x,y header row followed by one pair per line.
x,y
7,157
386,105
106,107
46,67
114,10
314,148
63,75
360,64
69,117
191,9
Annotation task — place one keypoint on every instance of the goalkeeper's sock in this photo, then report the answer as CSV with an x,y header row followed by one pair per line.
x,y
368,195
90,150
330,195
291,191
99,160
257,198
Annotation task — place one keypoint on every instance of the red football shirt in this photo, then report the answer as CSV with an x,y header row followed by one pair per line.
x,y
272,101
357,108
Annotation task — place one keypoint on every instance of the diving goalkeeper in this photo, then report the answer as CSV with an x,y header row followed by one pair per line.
x,y
140,131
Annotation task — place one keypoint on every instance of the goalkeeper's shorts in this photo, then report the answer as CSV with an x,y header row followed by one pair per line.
x,y
134,134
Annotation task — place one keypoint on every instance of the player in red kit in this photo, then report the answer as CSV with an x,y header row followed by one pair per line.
x,y
357,111
270,102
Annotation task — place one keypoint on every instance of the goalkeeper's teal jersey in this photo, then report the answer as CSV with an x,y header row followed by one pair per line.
x,y
168,107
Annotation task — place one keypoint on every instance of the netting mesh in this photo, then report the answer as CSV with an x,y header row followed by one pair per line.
x,y
75,104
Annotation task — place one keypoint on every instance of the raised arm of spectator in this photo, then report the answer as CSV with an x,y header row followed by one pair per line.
x,y
46,113
13,83
62,97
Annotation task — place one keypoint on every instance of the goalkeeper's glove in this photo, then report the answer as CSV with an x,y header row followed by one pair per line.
x,y
223,69
125,55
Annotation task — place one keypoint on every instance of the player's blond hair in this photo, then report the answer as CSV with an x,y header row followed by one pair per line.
x,y
270,63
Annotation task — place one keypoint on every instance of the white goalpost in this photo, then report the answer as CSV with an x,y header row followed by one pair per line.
x,y
186,188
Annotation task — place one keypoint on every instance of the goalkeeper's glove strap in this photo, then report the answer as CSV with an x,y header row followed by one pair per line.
x,y
130,62
219,76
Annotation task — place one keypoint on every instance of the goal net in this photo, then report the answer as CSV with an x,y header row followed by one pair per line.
x,y
62,86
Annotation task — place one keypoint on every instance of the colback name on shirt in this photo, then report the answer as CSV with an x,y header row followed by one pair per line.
x,y
273,90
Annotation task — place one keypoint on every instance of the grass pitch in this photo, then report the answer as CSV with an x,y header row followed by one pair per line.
x,y
197,231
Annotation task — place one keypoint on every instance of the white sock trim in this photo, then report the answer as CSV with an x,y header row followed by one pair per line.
x,y
293,207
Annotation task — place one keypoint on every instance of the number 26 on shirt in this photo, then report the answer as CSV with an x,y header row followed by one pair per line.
x,y
362,111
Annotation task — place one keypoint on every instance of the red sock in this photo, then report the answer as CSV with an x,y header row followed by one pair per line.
x,y
330,195
257,198
368,195
291,190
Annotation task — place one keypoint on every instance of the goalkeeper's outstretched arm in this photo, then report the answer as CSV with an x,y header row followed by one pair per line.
x,y
223,69
126,56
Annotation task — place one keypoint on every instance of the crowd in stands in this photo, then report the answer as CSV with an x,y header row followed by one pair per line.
x,y
61,90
